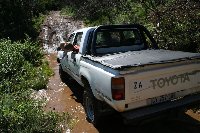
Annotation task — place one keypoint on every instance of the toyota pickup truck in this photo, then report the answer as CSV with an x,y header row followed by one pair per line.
x,y
121,67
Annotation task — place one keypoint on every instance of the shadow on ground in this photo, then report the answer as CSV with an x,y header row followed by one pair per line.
x,y
182,123
75,88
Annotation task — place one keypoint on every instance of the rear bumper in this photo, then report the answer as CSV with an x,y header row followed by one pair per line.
x,y
151,110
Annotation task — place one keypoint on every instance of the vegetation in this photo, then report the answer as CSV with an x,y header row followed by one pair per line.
x,y
18,17
23,70
68,11
174,23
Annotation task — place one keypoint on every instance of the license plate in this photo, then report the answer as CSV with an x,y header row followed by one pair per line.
x,y
161,99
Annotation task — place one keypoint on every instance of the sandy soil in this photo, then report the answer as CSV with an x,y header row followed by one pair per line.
x,y
67,97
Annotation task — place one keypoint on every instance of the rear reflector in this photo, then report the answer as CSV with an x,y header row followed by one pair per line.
x,y
118,88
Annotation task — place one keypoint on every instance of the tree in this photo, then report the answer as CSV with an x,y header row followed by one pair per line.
x,y
17,16
177,24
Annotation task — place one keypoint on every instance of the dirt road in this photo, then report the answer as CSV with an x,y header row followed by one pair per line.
x,y
67,97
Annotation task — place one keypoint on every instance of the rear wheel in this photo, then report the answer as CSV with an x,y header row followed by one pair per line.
x,y
91,106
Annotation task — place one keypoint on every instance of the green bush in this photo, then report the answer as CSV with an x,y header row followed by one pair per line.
x,y
20,65
38,21
173,23
21,17
22,115
23,69
11,60
68,11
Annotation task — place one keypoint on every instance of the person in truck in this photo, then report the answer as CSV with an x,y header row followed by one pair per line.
x,y
66,46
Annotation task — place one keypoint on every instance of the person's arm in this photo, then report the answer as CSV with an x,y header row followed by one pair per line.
x,y
68,46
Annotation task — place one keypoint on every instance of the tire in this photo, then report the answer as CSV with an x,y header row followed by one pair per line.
x,y
91,106
63,75
58,60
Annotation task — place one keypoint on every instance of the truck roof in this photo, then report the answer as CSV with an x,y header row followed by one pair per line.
x,y
84,29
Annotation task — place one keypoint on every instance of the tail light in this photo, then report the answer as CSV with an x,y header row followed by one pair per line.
x,y
118,88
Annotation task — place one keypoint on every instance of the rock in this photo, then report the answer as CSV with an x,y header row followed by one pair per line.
x,y
55,29
68,131
40,95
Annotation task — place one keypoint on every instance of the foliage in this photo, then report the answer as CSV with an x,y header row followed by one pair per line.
x,y
68,11
174,23
14,57
26,115
38,21
22,70
20,17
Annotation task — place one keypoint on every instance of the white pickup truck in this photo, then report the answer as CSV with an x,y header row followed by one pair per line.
x,y
121,66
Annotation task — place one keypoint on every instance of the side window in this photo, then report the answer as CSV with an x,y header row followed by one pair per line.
x,y
77,39
70,39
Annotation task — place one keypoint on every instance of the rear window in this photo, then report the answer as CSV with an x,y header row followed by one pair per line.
x,y
118,38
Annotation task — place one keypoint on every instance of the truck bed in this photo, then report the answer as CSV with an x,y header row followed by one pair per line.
x,y
142,58
154,77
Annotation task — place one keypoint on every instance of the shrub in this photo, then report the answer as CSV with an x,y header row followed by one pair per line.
x,y
23,69
21,66
11,60
18,114
68,11
21,17
38,21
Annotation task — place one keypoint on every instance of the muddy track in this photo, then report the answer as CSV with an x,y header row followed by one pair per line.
x,y
67,97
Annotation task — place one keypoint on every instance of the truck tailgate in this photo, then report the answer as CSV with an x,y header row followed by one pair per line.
x,y
151,85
